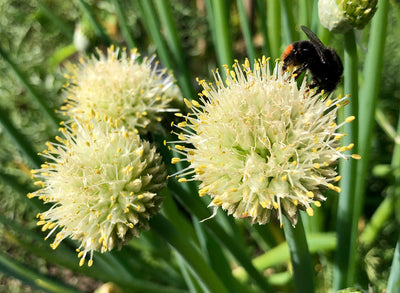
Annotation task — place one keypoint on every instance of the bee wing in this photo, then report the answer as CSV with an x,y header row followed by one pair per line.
x,y
318,45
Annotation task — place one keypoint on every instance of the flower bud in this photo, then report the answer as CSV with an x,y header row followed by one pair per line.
x,y
339,16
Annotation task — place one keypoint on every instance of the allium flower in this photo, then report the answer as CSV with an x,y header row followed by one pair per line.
x,y
261,145
103,182
341,15
136,94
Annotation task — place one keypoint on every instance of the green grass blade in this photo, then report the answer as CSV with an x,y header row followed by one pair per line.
x,y
174,43
300,256
394,277
189,252
123,25
216,258
20,140
153,27
244,23
195,206
50,113
58,22
30,276
171,212
190,279
97,27
262,12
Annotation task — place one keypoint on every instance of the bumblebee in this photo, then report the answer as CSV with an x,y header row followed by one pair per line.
x,y
323,63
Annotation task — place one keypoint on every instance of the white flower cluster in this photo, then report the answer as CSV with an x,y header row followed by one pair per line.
x,y
260,145
101,178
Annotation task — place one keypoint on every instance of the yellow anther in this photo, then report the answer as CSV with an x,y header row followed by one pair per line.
x,y
187,103
175,160
310,211
196,104
179,147
203,191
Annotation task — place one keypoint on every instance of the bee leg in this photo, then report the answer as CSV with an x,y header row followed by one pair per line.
x,y
311,86
299,71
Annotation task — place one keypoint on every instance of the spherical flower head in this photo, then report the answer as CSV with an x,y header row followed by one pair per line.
x,y
103,183
135,93
339,16
261,146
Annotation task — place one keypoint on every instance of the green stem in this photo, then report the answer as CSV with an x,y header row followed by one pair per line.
x,y
274,27
387,206
189,252
279,254
394,277
174,43
289,24
345,256
299,255
305,12
246,31
123,25
384,123
222,30
262,12
369,93
381,215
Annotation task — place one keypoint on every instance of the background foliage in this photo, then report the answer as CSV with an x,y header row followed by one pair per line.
x,y
192,38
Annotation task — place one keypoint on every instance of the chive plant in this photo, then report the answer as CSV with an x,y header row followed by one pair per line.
x,y
247,179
